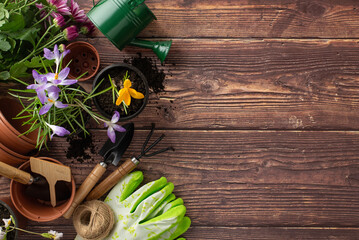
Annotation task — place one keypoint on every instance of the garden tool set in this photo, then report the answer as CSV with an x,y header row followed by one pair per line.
x,y
126,167
112,153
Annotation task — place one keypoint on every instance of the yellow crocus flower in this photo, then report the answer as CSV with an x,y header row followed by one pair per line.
x,y
127,92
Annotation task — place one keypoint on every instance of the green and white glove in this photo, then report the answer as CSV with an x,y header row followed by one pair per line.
x,y
150,213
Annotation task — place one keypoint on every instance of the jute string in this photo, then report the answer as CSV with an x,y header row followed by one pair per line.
x,y
93,220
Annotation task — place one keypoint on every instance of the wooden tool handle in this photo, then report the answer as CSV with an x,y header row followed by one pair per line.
x,y
86,187
16,174
112,179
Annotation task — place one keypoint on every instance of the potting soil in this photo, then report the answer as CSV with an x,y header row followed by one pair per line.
x,y
154,76
80,147
105,100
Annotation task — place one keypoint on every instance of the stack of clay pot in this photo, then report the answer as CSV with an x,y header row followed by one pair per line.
x,y
15,148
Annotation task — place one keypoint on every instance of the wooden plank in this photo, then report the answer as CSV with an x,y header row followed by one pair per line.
x,y
250,178
256,84
230,233
246,19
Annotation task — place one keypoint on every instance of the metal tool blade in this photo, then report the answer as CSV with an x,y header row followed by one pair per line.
x,y
112,152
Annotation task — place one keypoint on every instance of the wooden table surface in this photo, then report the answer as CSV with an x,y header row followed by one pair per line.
x,y
261,104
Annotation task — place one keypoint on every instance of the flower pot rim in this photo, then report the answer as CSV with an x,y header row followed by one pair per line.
x,y
122,65
11,128
26,213
15,154
92,48
12,213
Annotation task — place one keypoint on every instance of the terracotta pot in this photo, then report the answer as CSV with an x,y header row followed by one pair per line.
x,y
85,58
104,73
11,129
6,202
32,208
10,157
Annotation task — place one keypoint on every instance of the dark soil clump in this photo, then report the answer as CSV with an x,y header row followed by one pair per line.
x,y
4,213
154,76
106,100
81,147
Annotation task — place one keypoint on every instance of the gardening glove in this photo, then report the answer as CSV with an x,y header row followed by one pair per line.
x,y
150,213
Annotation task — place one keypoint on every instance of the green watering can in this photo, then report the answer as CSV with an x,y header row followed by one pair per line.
x,y
122,20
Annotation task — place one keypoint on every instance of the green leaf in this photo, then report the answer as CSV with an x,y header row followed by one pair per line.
x,y
18,70
2,22
4,45
12,43
4,14
16,22
37,63
27,34
4,75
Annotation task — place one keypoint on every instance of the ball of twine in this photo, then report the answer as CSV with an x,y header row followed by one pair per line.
x,y
93,220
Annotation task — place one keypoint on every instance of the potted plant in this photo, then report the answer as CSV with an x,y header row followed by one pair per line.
x,y
129,91
55,105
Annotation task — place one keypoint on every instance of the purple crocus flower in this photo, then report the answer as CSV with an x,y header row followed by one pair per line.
x,y
59,20
53,95
40,86
57,130
48,54
60,6
112,126
77,13
60,78
71,33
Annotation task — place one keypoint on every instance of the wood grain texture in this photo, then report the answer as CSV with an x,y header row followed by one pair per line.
x,y
230,233
249,178
261,105
255,84
247,19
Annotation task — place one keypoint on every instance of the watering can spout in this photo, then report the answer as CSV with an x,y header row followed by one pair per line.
x,y
161,49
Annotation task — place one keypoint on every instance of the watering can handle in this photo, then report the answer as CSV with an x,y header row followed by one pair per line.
x,y
133,3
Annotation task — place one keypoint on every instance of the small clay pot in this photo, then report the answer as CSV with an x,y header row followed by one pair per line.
x,y
11,129
104,74
84,58
10,157
6,202
32,208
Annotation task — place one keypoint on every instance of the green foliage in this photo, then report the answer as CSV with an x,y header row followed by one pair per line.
x,y
22,37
